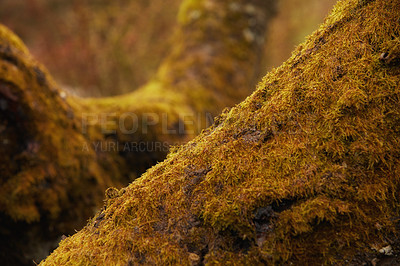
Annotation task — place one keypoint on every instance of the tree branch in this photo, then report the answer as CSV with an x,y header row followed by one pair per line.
x,y
304,171
61,152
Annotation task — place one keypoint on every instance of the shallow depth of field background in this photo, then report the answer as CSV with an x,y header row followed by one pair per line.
x,y
101,47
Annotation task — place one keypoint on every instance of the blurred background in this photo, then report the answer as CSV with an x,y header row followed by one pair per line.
x,y
101,47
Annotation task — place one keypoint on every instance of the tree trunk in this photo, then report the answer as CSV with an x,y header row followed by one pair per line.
x,y
304,171
61,152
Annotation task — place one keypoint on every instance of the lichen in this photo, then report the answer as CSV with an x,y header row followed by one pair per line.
x,y
304,171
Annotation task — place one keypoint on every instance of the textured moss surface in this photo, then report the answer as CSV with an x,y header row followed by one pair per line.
x,y
43,169
305,170
53,180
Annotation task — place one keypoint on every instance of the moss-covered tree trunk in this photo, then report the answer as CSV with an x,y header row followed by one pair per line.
x,y
304,171
59,153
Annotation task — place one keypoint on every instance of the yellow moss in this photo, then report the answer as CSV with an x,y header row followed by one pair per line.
x,y
8,38
304,171
44,169
54,177
190,10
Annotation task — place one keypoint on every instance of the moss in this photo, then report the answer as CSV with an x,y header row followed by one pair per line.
x,y
190,10
9,39
62,152
304,171
194,67
42,160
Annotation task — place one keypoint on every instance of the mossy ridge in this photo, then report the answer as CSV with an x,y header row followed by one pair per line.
x,y
48,169
9,39
42,160
305,170
37,136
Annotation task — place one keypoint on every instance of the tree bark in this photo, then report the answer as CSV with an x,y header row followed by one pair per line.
x,y
61,152
304,171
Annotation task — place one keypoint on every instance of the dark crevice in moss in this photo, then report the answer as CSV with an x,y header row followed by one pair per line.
x,y
98,219
390,59
283,204
338,73
363,3
263,220
254,136
140,257
237,242
40,76
194,176
17,142
6,55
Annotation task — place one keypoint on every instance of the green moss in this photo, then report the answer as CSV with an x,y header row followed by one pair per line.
x,y
304,171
